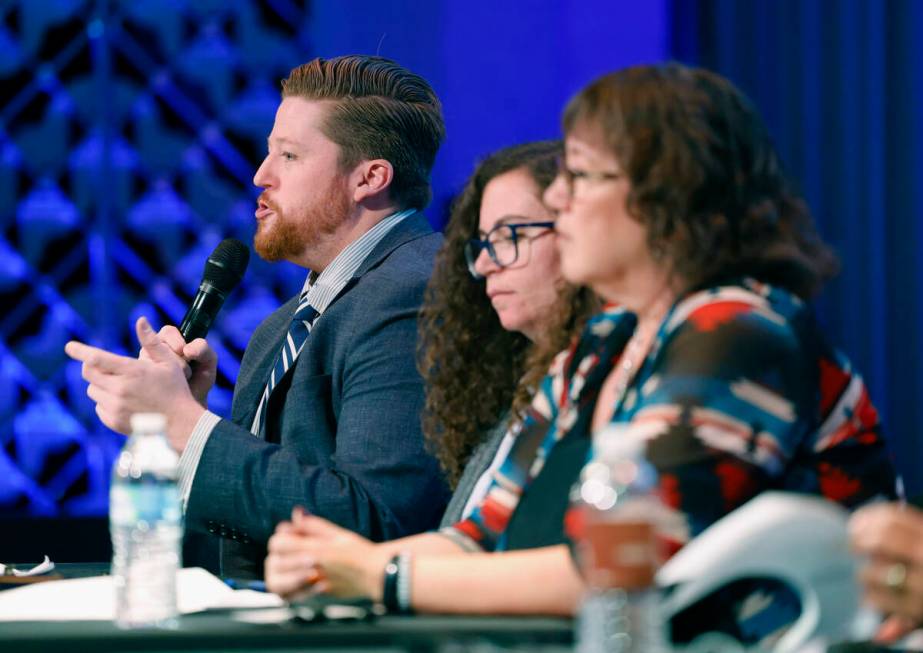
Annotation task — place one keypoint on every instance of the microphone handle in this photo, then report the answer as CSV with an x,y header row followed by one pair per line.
x,y
202,312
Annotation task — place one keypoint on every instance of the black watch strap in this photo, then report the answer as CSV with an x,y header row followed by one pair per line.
x,y
389,589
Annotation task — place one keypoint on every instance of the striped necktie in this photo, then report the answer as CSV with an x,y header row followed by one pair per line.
x,y
298,332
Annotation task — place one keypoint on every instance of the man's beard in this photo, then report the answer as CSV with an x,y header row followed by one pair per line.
x,y
290,235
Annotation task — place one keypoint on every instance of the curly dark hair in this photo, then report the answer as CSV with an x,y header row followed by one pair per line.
x,y
474,369
705,178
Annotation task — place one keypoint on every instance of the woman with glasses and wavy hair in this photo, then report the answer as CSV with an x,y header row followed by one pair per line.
x,y
496,311
672,206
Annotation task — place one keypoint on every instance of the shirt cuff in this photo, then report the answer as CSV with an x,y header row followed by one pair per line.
x,y
467,544
189,459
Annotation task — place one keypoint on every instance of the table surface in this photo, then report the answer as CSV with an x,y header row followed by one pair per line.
x,y
220,630
209,631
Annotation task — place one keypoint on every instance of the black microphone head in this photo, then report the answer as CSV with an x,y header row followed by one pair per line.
x,y
226,265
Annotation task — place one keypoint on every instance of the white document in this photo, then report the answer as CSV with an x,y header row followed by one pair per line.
x,y
93,599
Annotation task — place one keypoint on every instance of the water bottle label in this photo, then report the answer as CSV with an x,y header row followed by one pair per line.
x,y
144,502
618,553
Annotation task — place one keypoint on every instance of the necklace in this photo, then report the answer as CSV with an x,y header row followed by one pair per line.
x,y
639,345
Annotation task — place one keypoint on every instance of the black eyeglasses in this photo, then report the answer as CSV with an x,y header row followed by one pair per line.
x,y
571,176
502,244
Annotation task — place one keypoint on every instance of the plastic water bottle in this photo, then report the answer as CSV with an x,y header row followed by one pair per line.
x,y
616,515
145,520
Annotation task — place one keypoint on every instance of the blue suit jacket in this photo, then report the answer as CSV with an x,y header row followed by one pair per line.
x,y
343,426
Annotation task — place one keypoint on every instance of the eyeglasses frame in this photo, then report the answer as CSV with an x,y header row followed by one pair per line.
x,y
474,245
570,176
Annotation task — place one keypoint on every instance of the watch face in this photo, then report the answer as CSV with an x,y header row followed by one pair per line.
x,y
391,568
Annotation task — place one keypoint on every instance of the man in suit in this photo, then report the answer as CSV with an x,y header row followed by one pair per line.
x,y
326,405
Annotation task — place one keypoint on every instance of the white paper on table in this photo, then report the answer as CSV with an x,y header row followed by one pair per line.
x,y
43,567
93,599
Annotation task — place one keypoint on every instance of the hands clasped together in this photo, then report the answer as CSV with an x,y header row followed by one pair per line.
x,y
169,376
310,555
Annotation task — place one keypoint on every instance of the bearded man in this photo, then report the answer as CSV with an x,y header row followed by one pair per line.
x,y
326,411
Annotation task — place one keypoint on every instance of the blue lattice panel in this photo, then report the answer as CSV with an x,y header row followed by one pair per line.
x,y
129,134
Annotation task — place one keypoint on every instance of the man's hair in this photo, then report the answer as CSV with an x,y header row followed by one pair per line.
x,y
705,178
379,110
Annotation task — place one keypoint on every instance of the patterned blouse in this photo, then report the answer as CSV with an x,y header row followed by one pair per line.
x,y
738,394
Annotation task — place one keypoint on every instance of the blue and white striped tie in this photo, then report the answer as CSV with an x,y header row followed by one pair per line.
x,y
298,332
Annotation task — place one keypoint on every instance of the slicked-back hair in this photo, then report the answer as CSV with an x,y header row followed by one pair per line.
x,y
705,178
378,110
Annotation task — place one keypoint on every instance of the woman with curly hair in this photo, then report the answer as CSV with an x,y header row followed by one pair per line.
x,y
670,204
496,311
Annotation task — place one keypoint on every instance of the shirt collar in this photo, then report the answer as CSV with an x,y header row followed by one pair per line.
x,y
321,289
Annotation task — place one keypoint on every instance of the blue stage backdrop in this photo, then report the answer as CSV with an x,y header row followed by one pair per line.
x,y
129,134
130,130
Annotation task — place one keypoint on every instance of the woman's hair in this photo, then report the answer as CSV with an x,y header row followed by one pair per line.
x,y
474,369
705,178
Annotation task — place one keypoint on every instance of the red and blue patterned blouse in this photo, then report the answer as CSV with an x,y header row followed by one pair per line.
x,y
739,394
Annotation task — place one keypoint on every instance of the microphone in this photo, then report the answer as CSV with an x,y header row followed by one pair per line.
x,y
224,269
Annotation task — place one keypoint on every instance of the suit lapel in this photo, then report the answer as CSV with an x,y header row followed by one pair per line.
x,y
252,381
410,228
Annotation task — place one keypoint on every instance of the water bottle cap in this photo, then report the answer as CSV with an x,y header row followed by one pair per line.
x,y
148,422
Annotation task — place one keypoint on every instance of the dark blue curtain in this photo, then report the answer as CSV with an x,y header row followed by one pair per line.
x,y
840,84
